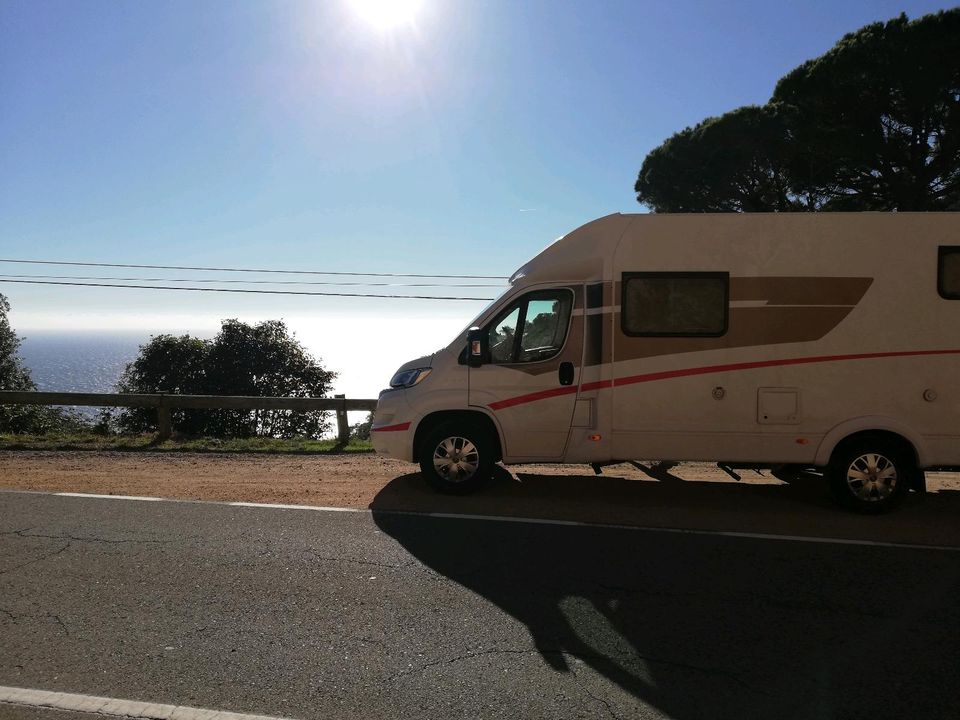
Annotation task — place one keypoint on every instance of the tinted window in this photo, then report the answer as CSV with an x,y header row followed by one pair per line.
x,y
948,273
531,329
674,304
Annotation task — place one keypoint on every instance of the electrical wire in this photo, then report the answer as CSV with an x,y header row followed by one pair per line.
x,y
255,282
245,291
250,270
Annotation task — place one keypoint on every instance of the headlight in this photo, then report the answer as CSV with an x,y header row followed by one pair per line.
x,y
409,378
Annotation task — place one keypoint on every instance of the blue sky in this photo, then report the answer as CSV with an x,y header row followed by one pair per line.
x,y
299,135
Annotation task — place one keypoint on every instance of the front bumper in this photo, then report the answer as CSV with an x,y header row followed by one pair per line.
x,y
392,432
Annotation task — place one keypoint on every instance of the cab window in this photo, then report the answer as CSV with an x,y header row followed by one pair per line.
x,y
531,329
502,337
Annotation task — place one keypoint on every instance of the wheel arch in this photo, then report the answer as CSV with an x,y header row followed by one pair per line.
x,y
441,417
871,426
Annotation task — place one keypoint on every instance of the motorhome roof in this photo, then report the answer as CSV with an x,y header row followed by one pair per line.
x,y
577,256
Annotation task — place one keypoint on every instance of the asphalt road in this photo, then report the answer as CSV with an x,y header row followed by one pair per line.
x,y
355,615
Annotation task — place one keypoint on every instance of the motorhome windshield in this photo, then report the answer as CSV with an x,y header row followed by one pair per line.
x,y
486,309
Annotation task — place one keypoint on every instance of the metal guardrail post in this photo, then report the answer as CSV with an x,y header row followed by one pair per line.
x,y
164,420
343,425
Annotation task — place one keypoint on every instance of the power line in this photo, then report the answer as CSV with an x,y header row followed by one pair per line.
x,y
255,282
247,291
250,270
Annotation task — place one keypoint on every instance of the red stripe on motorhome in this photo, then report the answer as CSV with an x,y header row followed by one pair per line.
x,y
391,428
668,374
533,397
601,385
706,370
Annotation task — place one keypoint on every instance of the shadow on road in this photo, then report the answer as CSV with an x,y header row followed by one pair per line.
x,y
704,626
802,507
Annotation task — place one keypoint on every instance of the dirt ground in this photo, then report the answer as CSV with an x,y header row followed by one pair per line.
x,y
329,480
690,496
326,480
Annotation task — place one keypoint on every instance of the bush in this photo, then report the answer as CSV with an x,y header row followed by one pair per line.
x,y
261,360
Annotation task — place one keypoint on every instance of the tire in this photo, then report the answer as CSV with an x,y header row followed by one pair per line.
x,y
456,458
871,475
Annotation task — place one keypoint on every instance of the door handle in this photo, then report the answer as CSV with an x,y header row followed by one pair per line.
x,y
566,373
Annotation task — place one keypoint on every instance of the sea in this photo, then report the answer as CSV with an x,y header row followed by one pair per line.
x,y
64,362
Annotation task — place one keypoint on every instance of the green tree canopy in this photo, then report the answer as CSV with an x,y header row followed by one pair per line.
x,y
878,116
361,431
13,374
739,162
873,124
168,363
261,360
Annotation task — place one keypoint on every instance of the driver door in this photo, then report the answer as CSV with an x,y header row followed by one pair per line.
x,y
532,352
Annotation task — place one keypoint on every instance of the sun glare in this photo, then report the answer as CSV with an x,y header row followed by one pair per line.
x,y
387,14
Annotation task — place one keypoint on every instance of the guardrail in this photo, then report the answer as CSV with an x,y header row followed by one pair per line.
x,y
165,402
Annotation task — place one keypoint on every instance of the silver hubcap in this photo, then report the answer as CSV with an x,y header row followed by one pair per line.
x,y
456,459
872,477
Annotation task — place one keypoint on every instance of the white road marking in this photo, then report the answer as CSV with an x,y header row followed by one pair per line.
x,y
281,506
524,520
117,707
110,497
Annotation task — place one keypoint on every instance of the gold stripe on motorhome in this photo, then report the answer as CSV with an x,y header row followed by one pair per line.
x,y
789,310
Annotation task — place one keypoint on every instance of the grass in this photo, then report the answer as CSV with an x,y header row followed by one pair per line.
x,y
149,443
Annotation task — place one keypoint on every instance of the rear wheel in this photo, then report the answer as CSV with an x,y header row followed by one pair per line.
x,y
871,475
456,458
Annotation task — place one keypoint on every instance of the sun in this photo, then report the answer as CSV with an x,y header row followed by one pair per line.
x,y
384,15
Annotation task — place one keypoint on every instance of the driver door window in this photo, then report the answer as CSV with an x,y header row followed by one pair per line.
x,y
503,337
532,329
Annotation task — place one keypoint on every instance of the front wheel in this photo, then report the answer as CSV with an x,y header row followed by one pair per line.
x,y
871,476
456,459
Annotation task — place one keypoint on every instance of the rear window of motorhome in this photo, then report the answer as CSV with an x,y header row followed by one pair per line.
x,y
670,304
948,273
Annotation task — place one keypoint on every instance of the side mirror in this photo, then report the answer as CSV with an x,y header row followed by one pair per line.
x,y
474,347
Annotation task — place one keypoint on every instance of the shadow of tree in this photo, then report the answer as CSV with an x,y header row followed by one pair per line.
x,y
708,626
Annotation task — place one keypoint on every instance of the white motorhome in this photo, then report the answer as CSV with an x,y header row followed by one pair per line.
x,y
827,340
